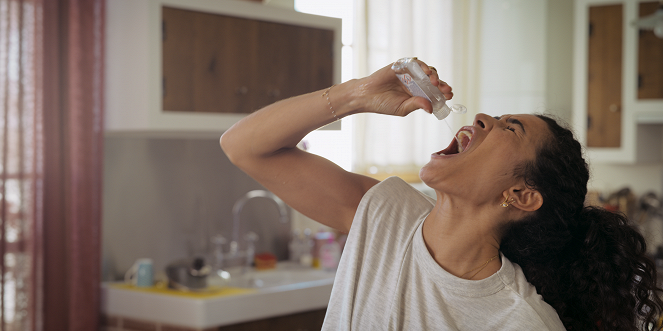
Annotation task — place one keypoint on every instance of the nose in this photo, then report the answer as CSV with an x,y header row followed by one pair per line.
x,y
484,121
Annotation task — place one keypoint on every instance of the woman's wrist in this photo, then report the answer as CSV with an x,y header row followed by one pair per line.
x,y
342,100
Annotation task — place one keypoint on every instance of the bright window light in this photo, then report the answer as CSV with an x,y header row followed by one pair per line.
x,y
334,145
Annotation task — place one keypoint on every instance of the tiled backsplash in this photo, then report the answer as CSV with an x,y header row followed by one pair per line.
x,y
164,198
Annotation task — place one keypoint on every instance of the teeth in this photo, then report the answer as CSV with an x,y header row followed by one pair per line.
x,y
459,138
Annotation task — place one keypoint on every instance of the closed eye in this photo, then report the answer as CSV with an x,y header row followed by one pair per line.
x,y
511,129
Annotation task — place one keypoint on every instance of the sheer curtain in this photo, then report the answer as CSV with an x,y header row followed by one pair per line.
x,y
51,57
21,167
387,30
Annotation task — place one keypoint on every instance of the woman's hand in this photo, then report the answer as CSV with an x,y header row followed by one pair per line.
x,y
383,93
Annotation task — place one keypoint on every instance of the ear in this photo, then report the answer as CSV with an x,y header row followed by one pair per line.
x,y
525,198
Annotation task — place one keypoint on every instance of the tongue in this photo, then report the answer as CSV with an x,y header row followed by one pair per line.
x,y
463,141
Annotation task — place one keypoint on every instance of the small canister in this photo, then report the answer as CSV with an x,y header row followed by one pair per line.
x,y
141,274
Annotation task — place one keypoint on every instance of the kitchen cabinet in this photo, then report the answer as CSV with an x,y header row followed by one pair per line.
x,y
618,82
302,321
195,67
310,320
650,58
224,64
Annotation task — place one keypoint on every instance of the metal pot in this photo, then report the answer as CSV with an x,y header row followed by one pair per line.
x,y
188,274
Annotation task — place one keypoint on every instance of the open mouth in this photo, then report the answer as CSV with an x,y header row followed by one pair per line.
x,y
460,142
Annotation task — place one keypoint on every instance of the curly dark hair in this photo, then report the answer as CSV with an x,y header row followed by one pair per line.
x,y
588,263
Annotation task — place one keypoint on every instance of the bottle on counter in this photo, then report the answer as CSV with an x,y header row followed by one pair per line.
x,y
306,258
295,246
330,254
320,238
301,248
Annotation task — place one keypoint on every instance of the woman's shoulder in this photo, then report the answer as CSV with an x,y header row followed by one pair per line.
x,y
393,199
395,188
530,300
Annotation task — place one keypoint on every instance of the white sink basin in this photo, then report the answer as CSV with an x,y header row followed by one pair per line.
x,y
286,290
284,275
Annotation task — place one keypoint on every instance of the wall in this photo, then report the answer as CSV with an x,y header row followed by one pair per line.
x,y
559,57
512,56
164,198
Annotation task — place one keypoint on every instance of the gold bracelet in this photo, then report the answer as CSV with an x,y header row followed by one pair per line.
x,y
326,94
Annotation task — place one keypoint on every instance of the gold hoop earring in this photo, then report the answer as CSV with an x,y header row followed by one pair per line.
x,y
507,201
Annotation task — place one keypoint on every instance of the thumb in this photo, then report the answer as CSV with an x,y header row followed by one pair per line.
x,y
413,104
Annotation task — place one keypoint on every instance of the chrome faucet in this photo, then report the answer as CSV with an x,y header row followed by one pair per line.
x,y
250,237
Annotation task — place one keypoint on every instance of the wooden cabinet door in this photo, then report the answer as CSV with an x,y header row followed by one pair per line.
x,y
305,321
295,60
222,64
650,58
604,81
209,62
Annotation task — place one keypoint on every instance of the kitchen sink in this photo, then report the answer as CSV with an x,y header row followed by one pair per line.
x,y
286,274
257,294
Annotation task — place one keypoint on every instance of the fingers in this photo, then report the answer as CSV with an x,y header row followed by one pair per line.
x,y
445,89
430,71
413,104
433,75
436,81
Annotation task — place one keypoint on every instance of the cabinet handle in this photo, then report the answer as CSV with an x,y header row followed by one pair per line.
x,y
614,108
242,90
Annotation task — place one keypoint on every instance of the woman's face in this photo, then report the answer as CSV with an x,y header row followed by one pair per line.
x,y
492,148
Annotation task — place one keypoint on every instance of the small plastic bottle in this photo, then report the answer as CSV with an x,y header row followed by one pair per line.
x,y
330,254
320,238
409,72
306,258
295,246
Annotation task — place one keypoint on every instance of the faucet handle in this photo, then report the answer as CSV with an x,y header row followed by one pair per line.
x,y
234,248
218,240
251,237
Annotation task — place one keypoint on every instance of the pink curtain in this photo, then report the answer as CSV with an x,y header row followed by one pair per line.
x,y
51,138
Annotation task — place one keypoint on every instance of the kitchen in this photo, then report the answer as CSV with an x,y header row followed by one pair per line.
x,y
165,193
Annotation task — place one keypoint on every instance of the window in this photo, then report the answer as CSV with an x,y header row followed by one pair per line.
x,y
335,145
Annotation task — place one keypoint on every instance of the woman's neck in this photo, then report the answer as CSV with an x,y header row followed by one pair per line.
x,y
461,238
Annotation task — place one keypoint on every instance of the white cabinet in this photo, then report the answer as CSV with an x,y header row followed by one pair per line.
x,y
636,122
134,82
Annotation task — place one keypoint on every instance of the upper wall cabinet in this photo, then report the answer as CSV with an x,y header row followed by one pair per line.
x,y
195,67
618,82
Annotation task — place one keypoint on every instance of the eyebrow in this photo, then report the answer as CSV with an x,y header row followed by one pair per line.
x,y
516,122
512,121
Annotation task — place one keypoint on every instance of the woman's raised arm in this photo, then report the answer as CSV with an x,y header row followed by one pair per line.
x,y
263,144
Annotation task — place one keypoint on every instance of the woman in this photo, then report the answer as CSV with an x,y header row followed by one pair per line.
x,y
508,222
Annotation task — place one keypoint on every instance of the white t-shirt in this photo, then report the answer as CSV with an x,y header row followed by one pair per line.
x,y
387,279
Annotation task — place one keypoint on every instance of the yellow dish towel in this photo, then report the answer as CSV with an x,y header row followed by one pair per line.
x,y
210,292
